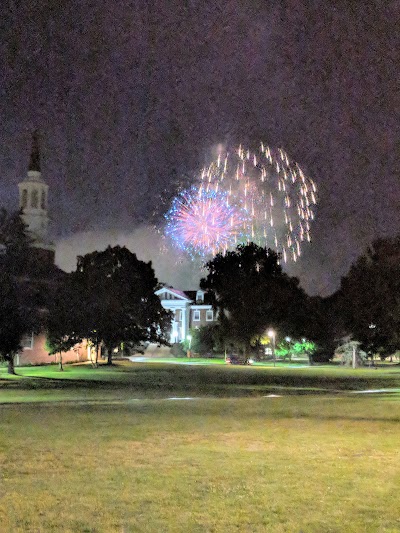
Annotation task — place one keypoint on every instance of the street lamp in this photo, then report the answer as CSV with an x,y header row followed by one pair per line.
x,y
189,338
271,334
289,340
372,327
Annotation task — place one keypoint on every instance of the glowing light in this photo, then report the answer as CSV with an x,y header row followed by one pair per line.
x,y
242,196
259,182
202,221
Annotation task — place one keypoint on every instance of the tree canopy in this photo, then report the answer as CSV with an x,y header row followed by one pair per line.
x,y
64,320
116,292
324,327
369,298
14,240
16,320
202,340
252,293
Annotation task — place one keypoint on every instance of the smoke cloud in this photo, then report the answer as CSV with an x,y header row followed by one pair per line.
x,y
170,265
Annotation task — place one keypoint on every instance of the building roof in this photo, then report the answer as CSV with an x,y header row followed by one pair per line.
x,y
176,292
183,294
187,295
192,296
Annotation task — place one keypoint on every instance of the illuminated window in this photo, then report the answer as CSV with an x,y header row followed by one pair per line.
x,y
209,315
196,316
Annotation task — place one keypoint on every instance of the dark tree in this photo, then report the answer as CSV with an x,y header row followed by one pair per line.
x,y
369,298
252,293
64,318
324,326
203,340
15,320
15,241
117,294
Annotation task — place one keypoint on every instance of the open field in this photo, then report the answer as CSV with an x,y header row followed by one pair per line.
x,y
110,450
143,380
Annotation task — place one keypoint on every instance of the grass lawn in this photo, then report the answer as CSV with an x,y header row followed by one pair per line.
x,y
109,450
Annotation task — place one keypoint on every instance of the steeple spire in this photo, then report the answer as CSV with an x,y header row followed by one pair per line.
x,y
33,197
33,202
34,162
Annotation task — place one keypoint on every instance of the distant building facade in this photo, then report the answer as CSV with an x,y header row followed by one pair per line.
x,y
190,309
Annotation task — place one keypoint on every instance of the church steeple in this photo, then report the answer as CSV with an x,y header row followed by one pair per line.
x,y
34,162
33,192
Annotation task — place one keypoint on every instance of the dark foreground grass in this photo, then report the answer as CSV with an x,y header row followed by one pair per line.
x,y
157,380
310,463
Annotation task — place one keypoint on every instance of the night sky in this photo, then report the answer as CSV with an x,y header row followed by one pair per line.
x,y
132,97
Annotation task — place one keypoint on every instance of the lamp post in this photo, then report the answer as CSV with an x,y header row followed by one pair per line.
x,y
372,327
271,334
289,340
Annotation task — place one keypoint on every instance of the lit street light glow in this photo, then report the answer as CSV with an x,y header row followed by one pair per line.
x,y
189,338
272,334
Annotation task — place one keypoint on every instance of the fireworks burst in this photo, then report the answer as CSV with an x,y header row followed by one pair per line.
x,y
242,197
278,197
202,222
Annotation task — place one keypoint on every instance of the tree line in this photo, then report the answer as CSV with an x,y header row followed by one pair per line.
x,y
252,293
109,300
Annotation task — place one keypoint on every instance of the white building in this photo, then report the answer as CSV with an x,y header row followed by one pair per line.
x,y
190,309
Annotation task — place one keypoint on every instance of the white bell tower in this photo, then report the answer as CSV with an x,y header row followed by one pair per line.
x,y
33,193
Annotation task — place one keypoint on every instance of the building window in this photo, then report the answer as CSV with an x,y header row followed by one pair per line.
x,y
200,297
35,199
27,341
209,315
24,199
178,315
196,316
